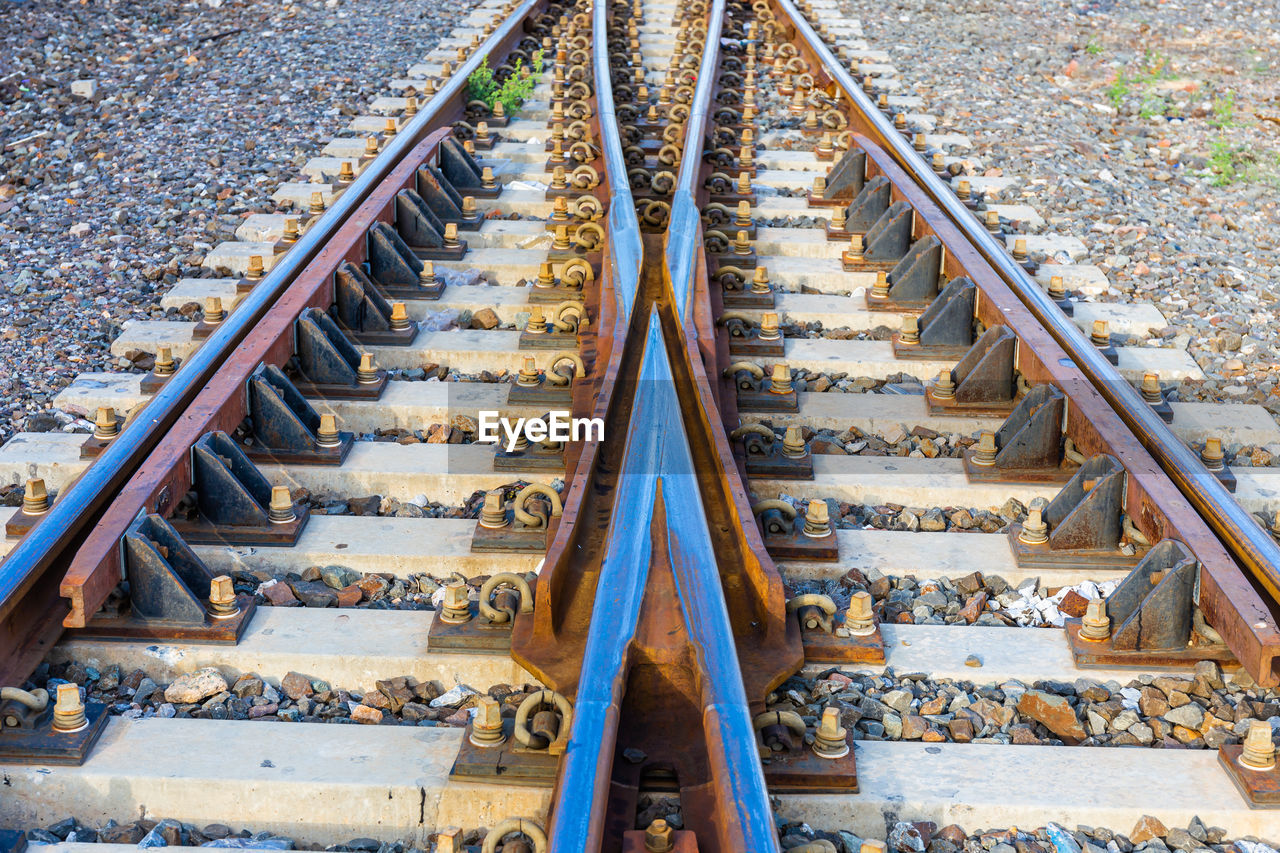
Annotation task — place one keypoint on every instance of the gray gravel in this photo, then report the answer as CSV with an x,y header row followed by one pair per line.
x,y
1147,128
200,110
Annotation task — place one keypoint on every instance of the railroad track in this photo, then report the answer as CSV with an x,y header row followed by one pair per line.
x,y
729,257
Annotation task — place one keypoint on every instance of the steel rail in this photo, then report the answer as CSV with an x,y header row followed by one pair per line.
x,y
1240,533
685,220
626,249
75,508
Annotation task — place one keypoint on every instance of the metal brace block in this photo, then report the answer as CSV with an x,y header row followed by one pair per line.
x,y
1029,443
747,299
542,394
821,647
1084,521
511,763
362,311
767,401
796,546
983,380
871,202
846,178
232,500
1261,788
328,364
168,585
512,539
800,771
461,169
913,280
40,744
394,268
534,459
477,635
284,425
1152,617
776,465
548,340
749,345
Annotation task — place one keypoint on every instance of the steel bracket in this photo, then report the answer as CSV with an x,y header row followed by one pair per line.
x,y
749,345
946,326
462,171
1152,611
40,744
393,266
542,394
768,460
794,545
886,242
1261,788
1029,442
511,763
548,340
846,178
163,575
283,423
422,230
823,647
914,281
363,312
515,538
1084,522
444,200
871,203
984,381
537,458
800,771
231,499
477,635
328,362
767,401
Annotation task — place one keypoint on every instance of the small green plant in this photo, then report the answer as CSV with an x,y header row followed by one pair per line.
x,y
511,92
480,85
1153,105
1118,89
1224,111
1093,48
1226,162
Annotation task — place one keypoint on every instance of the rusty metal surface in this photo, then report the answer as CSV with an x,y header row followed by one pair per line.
x,y
1169,489
30,609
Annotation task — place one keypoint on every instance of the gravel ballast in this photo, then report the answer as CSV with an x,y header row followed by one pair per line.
x,y
137,136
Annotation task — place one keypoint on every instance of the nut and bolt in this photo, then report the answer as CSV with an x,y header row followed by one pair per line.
x,y
327,435
213,313
486,725
68,710
1034,530
280,510
780,380
367,372
493,515
35,497
760,281
222,598
164,365
1095,625
829,740
659,837
105,425
399,317
528,375
984,452
944,387
1212,455
769,330
1151,388
859,621
1100,336
1259,750
817,520
427,275
456,607
910,333
793,444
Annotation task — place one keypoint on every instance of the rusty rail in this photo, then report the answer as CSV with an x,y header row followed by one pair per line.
x,y
31,612
1243,608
